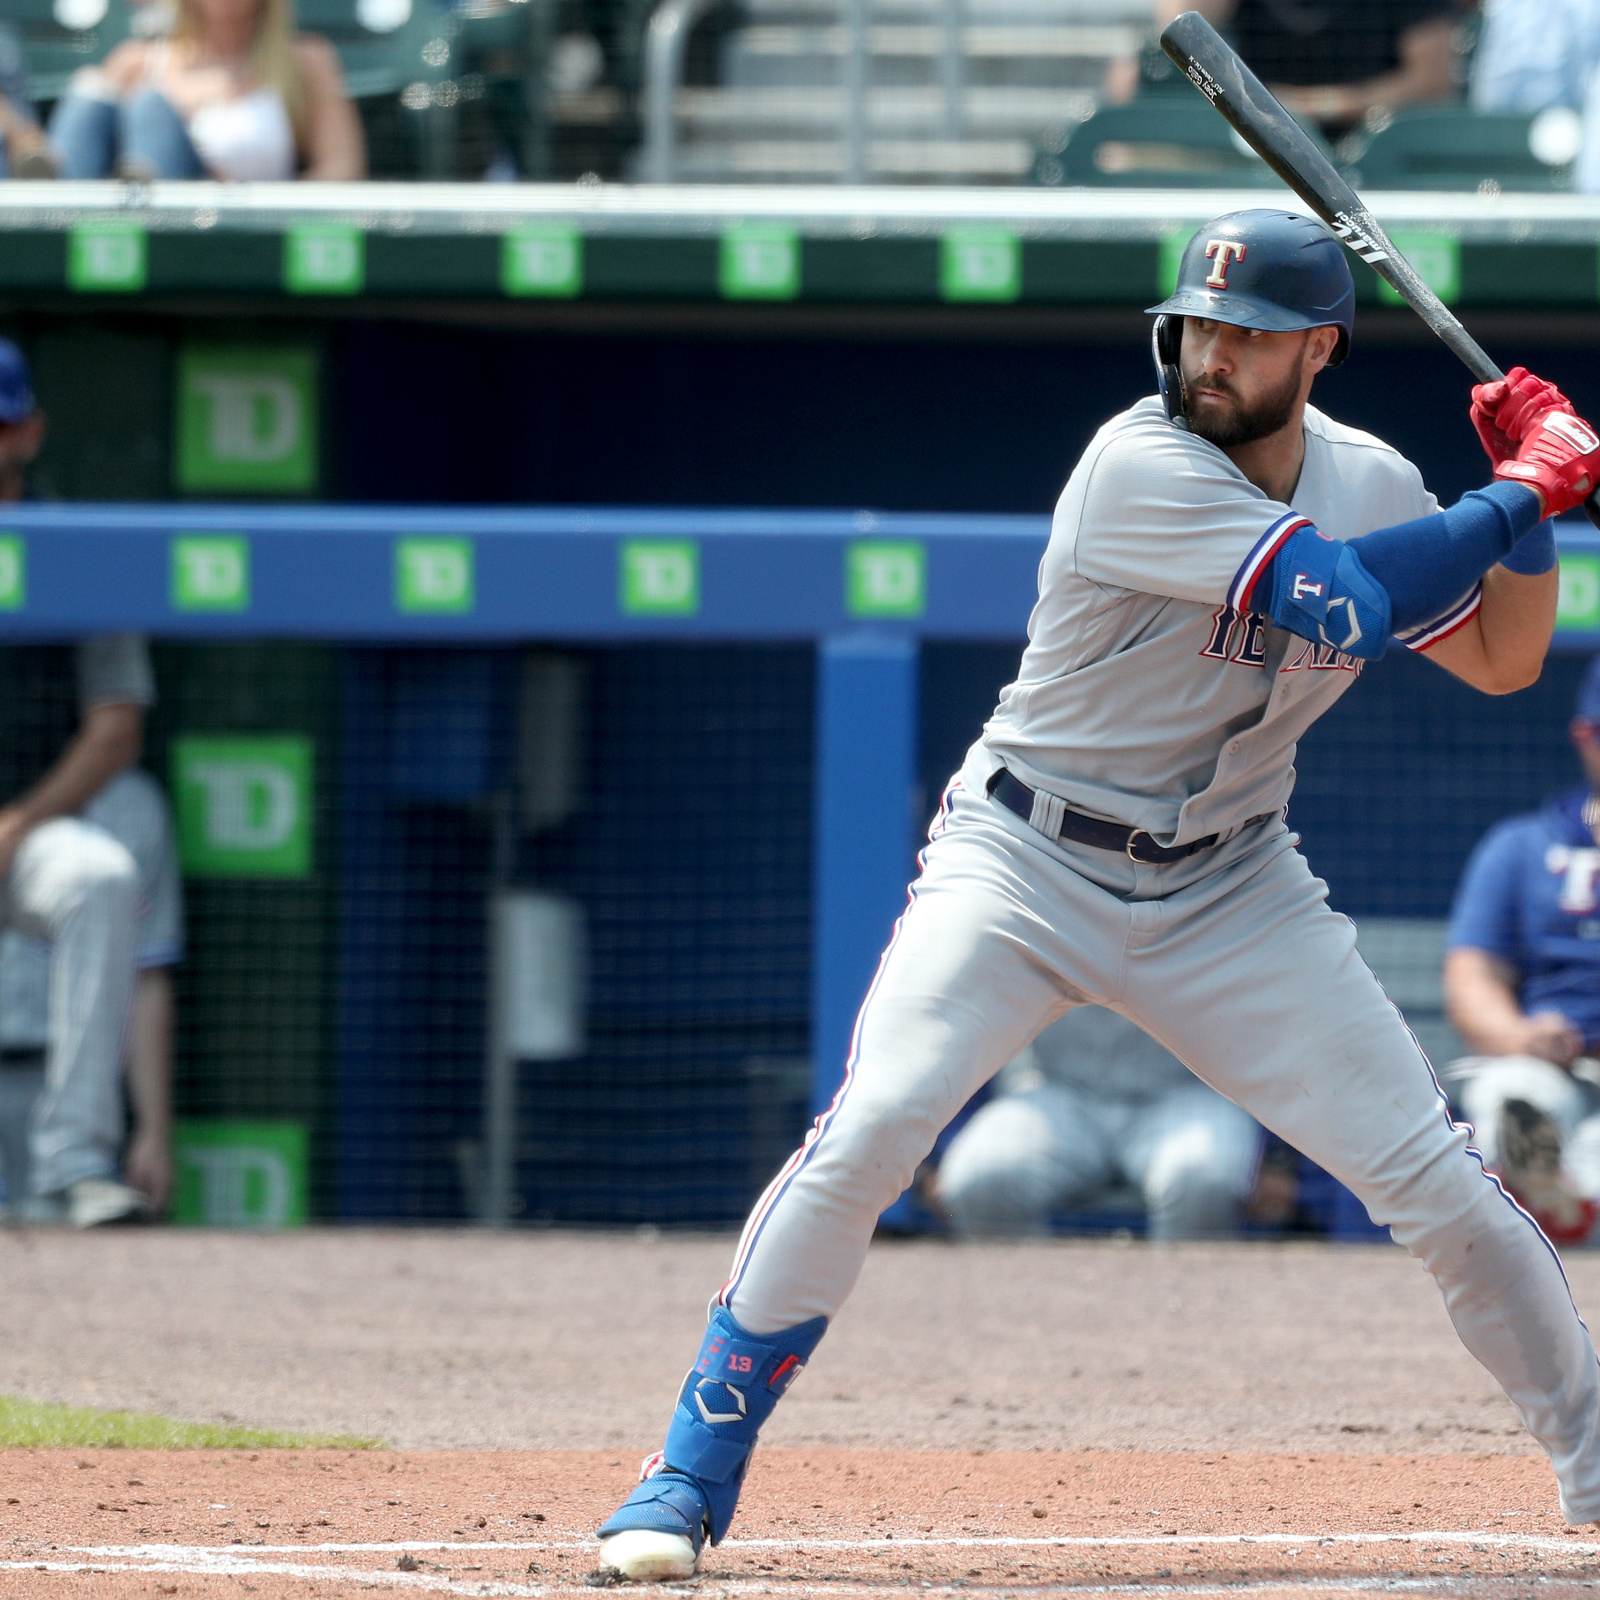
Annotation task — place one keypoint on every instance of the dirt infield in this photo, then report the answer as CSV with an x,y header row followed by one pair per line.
x,y
868,1523
1244,1419
434,1340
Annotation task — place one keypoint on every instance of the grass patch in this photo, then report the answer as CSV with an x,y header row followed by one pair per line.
x,y
51,1427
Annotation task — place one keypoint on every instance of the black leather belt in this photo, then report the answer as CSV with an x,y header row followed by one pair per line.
x,y
1134,843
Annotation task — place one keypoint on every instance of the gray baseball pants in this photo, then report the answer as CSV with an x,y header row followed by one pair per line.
x,y
75,886
1232,960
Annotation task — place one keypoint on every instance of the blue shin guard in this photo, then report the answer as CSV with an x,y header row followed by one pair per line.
x,y
729,1392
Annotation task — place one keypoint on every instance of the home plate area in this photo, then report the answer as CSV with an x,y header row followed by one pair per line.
x,y
814,1521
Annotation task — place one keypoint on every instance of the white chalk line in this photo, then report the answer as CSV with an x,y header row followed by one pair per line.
x,y
366,1577
712,1586
235,1561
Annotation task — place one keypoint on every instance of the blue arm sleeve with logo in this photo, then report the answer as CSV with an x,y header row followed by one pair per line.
x,y
1484,913
1353,596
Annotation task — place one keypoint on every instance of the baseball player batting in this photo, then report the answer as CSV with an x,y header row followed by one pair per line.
x,y
1223,562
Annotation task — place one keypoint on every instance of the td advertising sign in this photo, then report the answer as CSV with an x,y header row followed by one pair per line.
x,y
244,806
247,419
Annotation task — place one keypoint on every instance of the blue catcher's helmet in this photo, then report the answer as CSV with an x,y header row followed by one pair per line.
x,y
1274,270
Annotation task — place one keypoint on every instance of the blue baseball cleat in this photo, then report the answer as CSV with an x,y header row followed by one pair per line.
x,y
657,1533
688,1492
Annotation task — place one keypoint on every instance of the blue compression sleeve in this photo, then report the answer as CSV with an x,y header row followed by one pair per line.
x,y
1534,553
1354,595
1424,565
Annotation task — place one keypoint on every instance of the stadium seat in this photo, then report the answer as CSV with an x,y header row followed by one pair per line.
x,y
1448,147
433,57
1156,141
380,42
59,36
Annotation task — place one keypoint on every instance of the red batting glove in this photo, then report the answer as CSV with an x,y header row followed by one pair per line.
x,y
1560,457
1504,411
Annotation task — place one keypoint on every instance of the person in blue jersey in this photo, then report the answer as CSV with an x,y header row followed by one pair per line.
x,y
1522,986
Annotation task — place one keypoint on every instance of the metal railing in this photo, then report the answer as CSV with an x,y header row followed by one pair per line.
x,y
667,38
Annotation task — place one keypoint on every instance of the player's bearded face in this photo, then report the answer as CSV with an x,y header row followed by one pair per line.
x,y
1251,399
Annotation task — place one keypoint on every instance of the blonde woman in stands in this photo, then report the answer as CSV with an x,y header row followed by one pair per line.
x,y
232,92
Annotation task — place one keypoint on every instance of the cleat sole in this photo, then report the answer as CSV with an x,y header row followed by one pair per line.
x,y
648,1555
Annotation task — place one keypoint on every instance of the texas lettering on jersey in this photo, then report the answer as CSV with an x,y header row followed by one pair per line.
x,y
1237,636
1240,638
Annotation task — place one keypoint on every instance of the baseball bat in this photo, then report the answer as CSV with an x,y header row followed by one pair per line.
x,y
1212,65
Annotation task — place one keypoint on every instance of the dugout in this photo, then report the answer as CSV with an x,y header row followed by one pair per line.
x,y
752,769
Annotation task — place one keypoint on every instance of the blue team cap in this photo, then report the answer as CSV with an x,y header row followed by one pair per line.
x,y
1588,706
16,384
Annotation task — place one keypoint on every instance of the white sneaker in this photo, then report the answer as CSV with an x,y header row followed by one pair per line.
x,y
97,1202
648,1555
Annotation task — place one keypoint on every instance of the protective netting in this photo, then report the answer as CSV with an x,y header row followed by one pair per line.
x,y
658,798
647,812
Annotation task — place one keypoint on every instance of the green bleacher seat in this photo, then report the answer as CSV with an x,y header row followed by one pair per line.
x,y
1157,141
54,49
1449,147
376,61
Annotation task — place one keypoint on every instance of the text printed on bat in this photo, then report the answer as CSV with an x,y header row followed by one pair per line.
x,y
1358,239
1203,81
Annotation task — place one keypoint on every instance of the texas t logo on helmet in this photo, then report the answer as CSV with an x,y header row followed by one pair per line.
x,y
1220,252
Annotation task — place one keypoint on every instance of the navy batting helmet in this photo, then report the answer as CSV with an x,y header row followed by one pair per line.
x,y
1274,270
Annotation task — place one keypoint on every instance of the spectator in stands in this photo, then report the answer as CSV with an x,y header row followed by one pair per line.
x,y
87,868
23,152
1535,54
1094,1103
1522,986
1335,61
231,93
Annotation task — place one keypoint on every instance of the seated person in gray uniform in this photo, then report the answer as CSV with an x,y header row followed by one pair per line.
x,y
71,724
1094,1101
133,809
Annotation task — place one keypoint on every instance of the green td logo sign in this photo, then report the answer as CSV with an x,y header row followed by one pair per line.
x,y
759,263
1437,259
434,575
324,258
13,572
980,264
542,259
240,1174
247,420
107,258
886,578
1578,599
244,806
210,572
660,578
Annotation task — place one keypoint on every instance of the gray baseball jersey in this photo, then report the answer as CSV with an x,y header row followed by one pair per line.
x,y
1146,694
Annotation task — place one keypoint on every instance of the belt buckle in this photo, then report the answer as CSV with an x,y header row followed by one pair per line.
x,y
1132,847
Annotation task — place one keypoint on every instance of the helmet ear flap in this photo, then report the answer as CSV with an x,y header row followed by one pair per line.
x,y
1166,339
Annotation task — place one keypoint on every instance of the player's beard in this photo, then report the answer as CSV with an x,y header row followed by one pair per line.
x,y
1243,424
